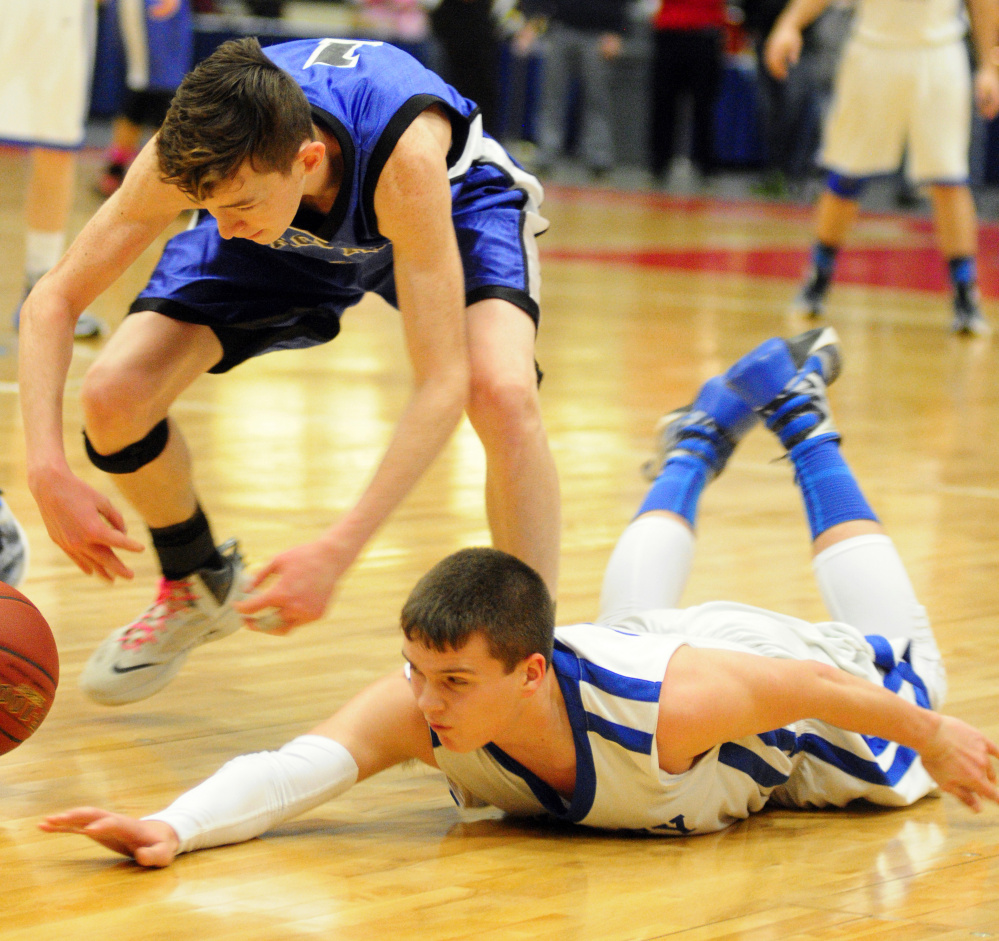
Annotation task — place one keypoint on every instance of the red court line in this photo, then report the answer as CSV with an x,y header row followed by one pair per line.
x,y
919,268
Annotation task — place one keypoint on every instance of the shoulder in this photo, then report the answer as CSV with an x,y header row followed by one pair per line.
x,y
413,189
144,195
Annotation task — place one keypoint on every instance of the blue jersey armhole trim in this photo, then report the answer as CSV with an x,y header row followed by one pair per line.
x,y
394,129
338,213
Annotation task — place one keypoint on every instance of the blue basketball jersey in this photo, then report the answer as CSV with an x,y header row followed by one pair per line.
x,y
365,94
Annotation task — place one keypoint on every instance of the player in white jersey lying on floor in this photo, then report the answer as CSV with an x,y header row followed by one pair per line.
x,y
675,721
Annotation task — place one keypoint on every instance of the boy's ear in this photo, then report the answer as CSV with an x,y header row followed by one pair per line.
x,y
534,668
311,154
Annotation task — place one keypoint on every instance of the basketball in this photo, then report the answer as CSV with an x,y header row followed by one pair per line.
x,y
29,668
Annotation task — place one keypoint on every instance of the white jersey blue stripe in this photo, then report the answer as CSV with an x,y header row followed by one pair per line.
x,y
611,678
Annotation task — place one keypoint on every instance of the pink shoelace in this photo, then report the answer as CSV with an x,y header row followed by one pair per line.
x,y
173,597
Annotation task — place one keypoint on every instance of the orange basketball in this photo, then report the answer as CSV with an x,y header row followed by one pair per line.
x,y
29,668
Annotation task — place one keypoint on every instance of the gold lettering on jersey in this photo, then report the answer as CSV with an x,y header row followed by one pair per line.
x,y
361,251
299,240
308,240
25,704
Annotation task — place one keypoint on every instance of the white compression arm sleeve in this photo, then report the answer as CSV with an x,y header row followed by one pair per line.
x,y
250,794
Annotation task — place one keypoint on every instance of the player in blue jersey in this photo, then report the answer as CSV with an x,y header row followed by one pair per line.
x,y
672,721
321,170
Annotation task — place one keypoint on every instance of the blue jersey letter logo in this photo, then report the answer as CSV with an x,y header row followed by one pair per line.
x,y
338,53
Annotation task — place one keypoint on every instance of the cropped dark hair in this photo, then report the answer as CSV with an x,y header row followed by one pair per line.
x,y
485,591
236,105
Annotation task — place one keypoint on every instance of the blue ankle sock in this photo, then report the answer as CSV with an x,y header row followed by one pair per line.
x,y
797,424
962,271
824,258
678,488
828,487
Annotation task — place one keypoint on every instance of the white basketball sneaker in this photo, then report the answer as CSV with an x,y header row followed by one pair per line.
x,y
13,548
140,658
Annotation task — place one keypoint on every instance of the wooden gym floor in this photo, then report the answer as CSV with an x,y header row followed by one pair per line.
x,y
645,297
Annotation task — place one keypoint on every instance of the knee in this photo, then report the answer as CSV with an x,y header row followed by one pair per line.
x,y
504,409
846,187
114,412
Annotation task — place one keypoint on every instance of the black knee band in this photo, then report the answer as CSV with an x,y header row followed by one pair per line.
x,y
129,459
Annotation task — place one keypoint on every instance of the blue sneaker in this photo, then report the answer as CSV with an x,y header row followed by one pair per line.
x,y
709,428
13,548
785,382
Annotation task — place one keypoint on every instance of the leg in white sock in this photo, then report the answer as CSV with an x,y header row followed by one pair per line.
x,y
648,567
864,583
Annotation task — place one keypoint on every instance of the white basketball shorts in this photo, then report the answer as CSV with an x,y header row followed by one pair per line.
x,y
46,64
890,102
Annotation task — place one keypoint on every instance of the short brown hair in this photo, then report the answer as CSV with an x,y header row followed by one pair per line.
x,y
236,105
482,591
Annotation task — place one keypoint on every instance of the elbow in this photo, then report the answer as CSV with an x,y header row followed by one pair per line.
x,y
45,309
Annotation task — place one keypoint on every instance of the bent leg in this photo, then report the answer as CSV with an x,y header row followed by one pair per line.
x,y
522,490
128,390
860,575
864,583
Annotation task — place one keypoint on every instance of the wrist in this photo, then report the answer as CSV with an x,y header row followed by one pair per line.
x,y
164,834
926,730
341,544
43,474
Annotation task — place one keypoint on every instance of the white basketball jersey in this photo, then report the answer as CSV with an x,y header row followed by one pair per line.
x,y
610,677
909,22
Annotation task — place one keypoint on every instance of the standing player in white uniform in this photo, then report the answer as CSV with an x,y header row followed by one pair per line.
x,y
46,60
653,718
903,87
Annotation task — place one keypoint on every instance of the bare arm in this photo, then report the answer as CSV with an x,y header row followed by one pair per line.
x,y
81,521
984,15
413,203
783,46
377,729
713,696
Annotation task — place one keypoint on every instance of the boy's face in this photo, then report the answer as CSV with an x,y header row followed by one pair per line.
x,y
467,696
257,206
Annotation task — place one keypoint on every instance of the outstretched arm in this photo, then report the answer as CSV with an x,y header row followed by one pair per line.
x,y
379,728
413,204
715,696
81,521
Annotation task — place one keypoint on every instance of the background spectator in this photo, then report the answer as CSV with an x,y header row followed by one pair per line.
x,y
688,45
579,41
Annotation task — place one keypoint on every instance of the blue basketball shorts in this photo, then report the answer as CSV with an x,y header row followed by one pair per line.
x,y
258,299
